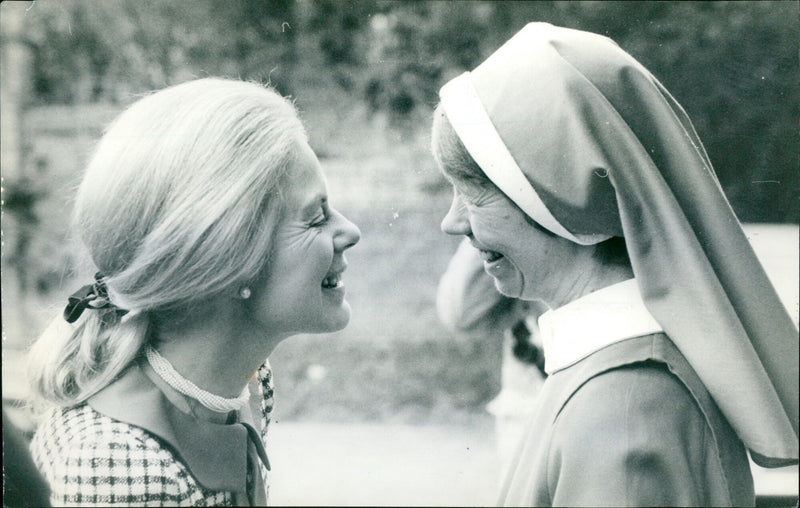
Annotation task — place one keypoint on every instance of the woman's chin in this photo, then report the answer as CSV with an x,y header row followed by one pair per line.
x,y
337,320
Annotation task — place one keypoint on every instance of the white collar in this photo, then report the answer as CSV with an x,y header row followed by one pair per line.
x,y
592,322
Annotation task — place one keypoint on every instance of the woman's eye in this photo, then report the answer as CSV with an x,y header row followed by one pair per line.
x,y
320,219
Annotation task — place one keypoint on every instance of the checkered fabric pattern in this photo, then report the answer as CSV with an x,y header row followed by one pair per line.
x,y
90,459
264,378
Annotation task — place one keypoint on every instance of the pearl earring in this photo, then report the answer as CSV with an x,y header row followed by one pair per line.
x,y
244,293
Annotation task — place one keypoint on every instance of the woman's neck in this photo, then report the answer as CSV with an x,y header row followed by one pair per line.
x,y
212,348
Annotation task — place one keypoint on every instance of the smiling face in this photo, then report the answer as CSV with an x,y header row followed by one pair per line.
x,y
525,260
302,289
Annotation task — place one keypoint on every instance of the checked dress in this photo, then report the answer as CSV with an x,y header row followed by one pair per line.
x,y
91,459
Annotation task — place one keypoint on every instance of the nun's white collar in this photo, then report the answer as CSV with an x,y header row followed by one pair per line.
x,y
592,322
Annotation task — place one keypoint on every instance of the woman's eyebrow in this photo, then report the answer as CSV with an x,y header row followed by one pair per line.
x,y
313,204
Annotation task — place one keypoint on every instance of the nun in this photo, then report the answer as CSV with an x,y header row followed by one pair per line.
x,y
669,356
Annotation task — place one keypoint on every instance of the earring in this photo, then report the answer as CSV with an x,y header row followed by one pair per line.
x,y
244,293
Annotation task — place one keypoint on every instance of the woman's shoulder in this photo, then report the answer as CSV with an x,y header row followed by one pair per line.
x,y
80,441
83,427
90,458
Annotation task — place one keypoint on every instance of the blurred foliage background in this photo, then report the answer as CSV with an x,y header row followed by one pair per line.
x,y
365,76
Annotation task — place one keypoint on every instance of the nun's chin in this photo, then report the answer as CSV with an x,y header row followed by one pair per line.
x,y
507,278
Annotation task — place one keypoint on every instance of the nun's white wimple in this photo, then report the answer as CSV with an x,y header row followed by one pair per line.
x,y
468,117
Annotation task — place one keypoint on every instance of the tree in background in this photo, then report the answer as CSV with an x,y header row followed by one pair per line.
x,y
733,65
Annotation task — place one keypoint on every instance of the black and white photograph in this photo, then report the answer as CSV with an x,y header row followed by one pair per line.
x,y
400,252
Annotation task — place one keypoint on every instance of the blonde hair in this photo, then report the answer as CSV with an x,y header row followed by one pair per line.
x,y
178,203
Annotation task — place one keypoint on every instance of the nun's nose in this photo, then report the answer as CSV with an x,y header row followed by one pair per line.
x,y
456,222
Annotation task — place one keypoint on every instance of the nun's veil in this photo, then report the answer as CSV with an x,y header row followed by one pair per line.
x,y
590,145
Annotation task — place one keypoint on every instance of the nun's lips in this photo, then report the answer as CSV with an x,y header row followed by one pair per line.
x,y
489,256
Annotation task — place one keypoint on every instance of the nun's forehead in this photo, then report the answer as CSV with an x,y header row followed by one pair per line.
x,y
532,119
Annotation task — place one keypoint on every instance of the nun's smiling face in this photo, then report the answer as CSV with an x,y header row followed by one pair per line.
x,y
525,260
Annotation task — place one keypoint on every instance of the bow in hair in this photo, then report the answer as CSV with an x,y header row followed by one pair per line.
x,y
90,296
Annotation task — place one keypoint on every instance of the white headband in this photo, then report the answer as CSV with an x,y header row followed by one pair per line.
x,y
471,122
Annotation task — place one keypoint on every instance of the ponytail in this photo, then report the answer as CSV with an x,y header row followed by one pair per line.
x,y
70,363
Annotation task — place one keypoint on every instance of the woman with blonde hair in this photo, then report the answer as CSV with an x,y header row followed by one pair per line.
x,y
206,214
669,356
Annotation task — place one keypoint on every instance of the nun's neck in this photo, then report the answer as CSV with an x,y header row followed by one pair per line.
x,y
588,278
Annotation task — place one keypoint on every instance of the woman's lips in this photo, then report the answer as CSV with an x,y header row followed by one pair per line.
x,y
333,281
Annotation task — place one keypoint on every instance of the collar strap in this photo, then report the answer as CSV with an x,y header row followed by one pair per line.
x,y
173,378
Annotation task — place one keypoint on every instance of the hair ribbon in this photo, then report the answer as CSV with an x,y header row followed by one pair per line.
x,y
91,296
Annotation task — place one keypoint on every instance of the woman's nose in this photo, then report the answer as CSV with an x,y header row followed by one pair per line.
x,y
347,235
456,221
